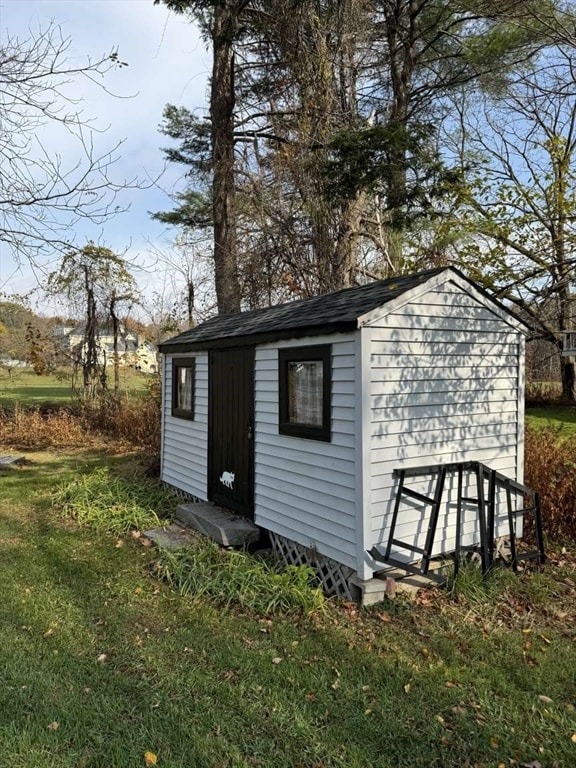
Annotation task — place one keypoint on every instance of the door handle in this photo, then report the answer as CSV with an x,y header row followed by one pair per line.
x,y
250,432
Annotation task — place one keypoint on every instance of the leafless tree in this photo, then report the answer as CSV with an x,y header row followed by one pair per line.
x,y
44,194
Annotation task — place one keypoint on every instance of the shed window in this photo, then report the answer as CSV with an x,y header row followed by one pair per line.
x,y
183,381
305,386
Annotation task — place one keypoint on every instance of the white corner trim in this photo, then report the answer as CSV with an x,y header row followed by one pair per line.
x,y
520,411
362,453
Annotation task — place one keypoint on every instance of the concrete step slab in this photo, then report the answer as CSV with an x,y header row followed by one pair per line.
x,y
6,461
173,537
219,524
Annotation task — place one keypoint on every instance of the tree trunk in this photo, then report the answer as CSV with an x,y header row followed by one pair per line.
x,y
568,379
402,32
222,102
115,334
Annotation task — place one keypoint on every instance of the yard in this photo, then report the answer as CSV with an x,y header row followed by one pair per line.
x,y
104,665
22,385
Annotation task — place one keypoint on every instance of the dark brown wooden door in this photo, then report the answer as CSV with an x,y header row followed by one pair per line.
x,y
231,428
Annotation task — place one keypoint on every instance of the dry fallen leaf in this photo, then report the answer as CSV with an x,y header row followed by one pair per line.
x,y
101,658
150,759
49,632
276,660
545,699
573,738
53,726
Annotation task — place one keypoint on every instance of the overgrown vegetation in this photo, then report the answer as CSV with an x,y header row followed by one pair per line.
x,y
550,469
233,577
133,418
30,428
542,393
115,504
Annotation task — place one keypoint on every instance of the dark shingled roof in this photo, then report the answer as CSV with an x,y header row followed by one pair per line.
x,y
329,313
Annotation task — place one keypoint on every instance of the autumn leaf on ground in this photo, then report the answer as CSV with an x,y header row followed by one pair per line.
x,y
53,726
276,660
150,759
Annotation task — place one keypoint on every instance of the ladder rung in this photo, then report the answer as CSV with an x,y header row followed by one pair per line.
x,y
416,495
529,556
411,547
439,579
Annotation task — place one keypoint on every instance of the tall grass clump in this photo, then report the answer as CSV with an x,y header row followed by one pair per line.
x,y
115,504
543,392
134,418
32,428
235,577
550,469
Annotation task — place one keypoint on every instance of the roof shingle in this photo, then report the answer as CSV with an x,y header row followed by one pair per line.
x,y
327,313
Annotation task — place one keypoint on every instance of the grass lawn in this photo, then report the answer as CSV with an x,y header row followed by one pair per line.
x,y
560,416
100,663
24,386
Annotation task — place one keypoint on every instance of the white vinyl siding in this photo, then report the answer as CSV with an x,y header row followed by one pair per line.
x,y
305,489
444,387
185,442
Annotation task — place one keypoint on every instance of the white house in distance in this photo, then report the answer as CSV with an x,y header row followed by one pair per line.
x,y
140,355
299,416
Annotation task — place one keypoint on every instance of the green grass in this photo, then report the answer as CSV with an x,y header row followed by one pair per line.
x,y
562,417
100,662
24,386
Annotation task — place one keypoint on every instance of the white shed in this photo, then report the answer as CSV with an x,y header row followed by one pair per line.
x,y
297,416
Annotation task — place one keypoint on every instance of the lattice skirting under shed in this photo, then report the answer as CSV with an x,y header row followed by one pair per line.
x,y
186,497
334,577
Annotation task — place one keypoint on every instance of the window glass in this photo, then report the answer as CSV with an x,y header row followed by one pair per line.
x,y
305,392
305,383
183,374
185,377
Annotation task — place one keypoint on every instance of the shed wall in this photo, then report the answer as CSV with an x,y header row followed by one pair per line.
x,y
305,489
445,387
185,442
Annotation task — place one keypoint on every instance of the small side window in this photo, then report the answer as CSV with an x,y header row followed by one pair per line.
x,y
305,383
183,385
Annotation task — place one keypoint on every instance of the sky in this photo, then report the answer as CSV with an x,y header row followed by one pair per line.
x,y
167,63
